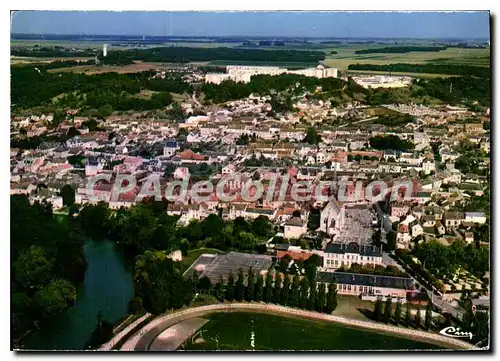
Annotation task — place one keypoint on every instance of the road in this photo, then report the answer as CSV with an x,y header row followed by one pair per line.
x,y
145,336
437,300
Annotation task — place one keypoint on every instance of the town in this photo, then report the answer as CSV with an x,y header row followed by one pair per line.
x,y
257,181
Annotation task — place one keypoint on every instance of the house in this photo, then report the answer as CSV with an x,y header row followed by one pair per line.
x,y
416,230
295,227
469,237
403,236
170,148
475,217
453,219
229,169
399,209
441,230
429,220
338,255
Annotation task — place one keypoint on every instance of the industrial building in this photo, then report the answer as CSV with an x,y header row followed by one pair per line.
x,y
243,73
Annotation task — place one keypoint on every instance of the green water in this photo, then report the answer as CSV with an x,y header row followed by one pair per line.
x,y
108,287
235,330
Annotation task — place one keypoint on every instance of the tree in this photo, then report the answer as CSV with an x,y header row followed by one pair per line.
x,y
418,318
250,294
408,315
259,288
240,287
277,289
230,287
388,310
204,284
55,297
135,305
68,195
391,241
295,291
331,298
32,268
397,313
268,290
311,302
261,226
219,289
312,136
428,315
321,298
284,263
304,292
286,290
377,311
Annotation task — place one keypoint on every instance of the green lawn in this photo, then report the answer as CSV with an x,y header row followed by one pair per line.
x,y
233,331
195,253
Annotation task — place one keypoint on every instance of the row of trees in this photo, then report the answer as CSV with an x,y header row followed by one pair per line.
x,y
289,291
47,264
386,312
400,49
451,69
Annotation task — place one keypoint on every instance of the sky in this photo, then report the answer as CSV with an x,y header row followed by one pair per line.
x,y
467,25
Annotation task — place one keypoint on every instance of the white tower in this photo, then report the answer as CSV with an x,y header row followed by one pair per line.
x,y
104,50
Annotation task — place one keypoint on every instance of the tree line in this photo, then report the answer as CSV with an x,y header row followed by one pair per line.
x,y
292,291
188,54
400,49
388,313
451,69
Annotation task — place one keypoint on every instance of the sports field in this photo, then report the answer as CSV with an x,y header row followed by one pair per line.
x,y
252,331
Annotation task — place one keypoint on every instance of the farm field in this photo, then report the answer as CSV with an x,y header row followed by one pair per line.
x,y
234,330
346,56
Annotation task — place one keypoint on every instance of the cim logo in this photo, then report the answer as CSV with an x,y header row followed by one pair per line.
x,y
455,332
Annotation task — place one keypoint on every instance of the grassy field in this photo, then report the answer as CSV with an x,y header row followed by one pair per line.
x,y
233,331
346,56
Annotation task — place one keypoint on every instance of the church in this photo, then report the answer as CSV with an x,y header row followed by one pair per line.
x,y
332,217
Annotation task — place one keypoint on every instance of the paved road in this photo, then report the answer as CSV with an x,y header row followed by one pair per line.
x,y
137,342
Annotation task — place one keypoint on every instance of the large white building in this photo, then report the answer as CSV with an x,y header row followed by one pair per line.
x,y
243,73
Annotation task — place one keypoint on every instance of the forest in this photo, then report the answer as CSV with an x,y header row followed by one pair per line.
x,y
188,54
47,263
34,86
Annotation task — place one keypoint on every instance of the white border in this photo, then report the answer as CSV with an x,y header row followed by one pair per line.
x,y
191,5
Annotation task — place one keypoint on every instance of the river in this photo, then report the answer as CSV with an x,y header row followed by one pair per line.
x,y
108,287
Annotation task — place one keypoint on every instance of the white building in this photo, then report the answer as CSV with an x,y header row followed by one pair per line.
x,y
338,255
